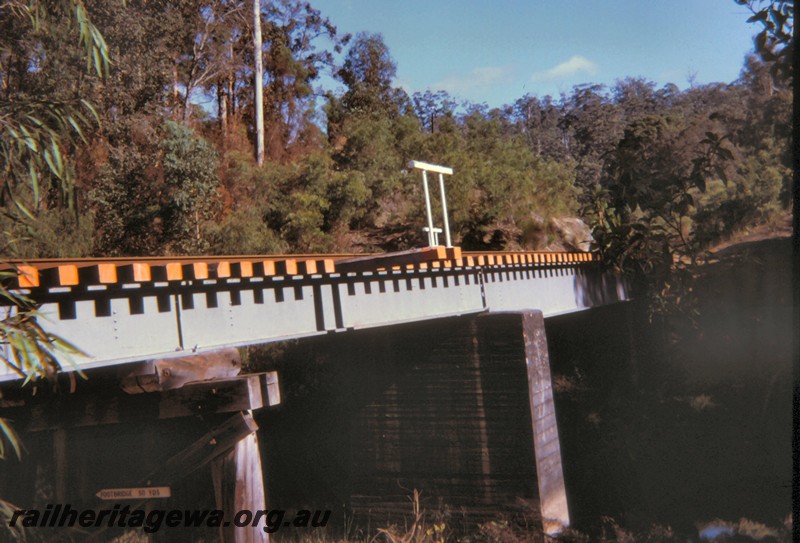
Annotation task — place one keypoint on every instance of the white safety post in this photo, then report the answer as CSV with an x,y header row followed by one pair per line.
x,y
433,237
444,211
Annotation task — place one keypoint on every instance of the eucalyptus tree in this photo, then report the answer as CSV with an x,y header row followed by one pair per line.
x,y
775,42
300,44
368,72
371,126
540,120
593,126
35,131
34,134
431,107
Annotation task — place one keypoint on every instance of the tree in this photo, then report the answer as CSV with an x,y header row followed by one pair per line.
x,y
636,98
368,71
540,120
179,169
430,107
371,127
34,134
775,42
294,59
593,127
201,40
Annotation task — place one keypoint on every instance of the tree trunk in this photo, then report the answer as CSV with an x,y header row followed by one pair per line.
x,y
186,104
176,98
231,87
222,112
259,82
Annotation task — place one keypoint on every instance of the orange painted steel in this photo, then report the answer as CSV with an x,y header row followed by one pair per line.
x,y
33,273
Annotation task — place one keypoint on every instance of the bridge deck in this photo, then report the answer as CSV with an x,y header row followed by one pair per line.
x,y
123,310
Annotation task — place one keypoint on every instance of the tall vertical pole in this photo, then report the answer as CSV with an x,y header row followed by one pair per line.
x,y
259,82
431,235
444,210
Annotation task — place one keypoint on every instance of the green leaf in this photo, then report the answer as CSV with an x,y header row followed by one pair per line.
x,y
721,173
57,155
760,16
98,64
77,128
7,432
49,159
726,153
28,140
34,180
91,109
24,209
700,182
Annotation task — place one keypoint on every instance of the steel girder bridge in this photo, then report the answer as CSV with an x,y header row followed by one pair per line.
x,y
132,309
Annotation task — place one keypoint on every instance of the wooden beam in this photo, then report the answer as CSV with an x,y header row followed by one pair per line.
x,y
196,271
93,408
271,390
63,275
171,373
453,253
216,396
388,260
287,266
137,272
213,444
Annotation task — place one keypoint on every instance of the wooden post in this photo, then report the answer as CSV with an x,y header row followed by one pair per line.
x,y
239,485
547,449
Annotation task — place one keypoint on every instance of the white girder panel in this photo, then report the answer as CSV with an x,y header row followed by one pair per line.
x,y
121,336
246,314
385,299
551,291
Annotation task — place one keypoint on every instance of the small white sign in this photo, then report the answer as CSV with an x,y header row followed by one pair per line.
x,y
145,493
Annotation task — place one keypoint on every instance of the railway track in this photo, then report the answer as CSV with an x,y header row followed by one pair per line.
x,y
47,273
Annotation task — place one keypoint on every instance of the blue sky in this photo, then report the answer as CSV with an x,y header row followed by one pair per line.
x,y
497,51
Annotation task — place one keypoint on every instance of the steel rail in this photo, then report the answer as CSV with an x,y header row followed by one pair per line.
x,y
49,272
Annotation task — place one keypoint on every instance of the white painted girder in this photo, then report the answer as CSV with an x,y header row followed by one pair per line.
x,y
126,323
